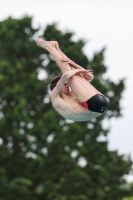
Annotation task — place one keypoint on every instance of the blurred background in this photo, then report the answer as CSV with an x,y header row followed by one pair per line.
x,y
96,35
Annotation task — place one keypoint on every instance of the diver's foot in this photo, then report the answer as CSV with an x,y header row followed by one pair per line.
x,y
42,43
46,44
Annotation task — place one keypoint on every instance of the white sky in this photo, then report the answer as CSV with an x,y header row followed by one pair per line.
x,y
101,23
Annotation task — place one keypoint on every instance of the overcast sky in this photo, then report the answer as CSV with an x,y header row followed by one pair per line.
x,y
103,24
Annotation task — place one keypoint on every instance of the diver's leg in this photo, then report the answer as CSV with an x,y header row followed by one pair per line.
x,y
80,87
50,47
79,79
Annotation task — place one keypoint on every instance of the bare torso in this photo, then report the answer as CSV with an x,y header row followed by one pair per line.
x,y
70,108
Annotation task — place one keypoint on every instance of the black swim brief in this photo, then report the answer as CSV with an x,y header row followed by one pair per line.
x,y
97,103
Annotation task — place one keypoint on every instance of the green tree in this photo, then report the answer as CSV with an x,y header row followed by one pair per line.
x,y
44,156
128,198
129,187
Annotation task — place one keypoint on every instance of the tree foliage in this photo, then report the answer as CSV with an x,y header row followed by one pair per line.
x,y
44,156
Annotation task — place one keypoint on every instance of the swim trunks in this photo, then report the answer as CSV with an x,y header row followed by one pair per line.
x,y
97,103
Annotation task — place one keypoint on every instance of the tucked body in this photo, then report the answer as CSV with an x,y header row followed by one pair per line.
x,y
73,90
